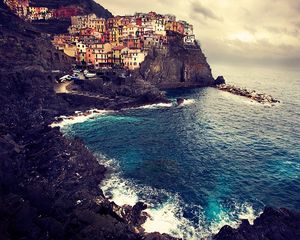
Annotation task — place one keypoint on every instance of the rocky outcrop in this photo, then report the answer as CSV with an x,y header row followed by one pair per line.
x,y
176,66
273,224
253,95
220,80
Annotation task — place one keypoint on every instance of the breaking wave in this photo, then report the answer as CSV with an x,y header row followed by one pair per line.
x,y
78,117
154,106
166,209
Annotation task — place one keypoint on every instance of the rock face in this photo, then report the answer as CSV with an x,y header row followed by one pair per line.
x,y
273,224
177,66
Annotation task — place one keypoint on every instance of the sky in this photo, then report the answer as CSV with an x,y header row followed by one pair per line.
x,y
259,32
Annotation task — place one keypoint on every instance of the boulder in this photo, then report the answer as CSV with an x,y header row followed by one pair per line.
x,y
219,80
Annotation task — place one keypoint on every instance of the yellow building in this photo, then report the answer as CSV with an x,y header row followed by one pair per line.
x,y
132,58
70,50
117,55
103,54
99,24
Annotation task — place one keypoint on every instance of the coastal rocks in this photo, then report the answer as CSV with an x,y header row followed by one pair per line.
x,y
253,95
180,101
176,66
134,215
158,236
219,80
273,224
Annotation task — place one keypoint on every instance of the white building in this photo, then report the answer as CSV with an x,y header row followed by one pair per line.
x,y
81,51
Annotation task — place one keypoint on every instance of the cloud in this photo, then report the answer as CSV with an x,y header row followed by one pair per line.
x,y
198,8
293,32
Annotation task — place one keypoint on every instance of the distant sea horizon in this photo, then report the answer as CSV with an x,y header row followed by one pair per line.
x,y
215,160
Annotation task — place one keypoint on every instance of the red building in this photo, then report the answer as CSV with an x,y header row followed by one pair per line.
x,y
133,43
139,22
87,32
67,12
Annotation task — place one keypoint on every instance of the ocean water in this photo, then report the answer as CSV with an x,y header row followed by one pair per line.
x,y
215,160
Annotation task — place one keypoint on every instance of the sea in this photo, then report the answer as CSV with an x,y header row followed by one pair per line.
x,y
210,162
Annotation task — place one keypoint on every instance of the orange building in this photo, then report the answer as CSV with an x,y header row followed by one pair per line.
x,y
175,27
90,55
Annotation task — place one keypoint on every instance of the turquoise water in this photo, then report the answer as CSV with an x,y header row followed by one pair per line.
x,y
217,159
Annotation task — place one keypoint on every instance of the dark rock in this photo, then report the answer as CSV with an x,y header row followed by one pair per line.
x,y
158,236
260,98
176,66
219,80
272,224
180,101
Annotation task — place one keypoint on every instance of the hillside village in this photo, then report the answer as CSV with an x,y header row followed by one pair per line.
x,y
120,41
29,12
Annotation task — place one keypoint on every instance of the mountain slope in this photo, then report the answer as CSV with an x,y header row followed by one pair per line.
x,y
89,6
57,26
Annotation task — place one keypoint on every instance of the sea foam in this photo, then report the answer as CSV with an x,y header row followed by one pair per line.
x,y
167,216
154,106
78,117
188,102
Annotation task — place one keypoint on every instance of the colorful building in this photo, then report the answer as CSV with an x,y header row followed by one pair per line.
x,y
122,40
67,12
132,58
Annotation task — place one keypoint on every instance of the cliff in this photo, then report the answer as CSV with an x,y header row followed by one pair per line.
x,y
176,66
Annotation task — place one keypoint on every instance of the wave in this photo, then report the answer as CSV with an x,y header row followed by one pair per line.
x,y
78,117
188,102
167,215
154,106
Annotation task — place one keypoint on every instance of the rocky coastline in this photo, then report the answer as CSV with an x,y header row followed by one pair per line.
x,y
251,94
49,185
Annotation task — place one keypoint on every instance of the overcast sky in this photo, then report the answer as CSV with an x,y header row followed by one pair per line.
x,y
233,31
